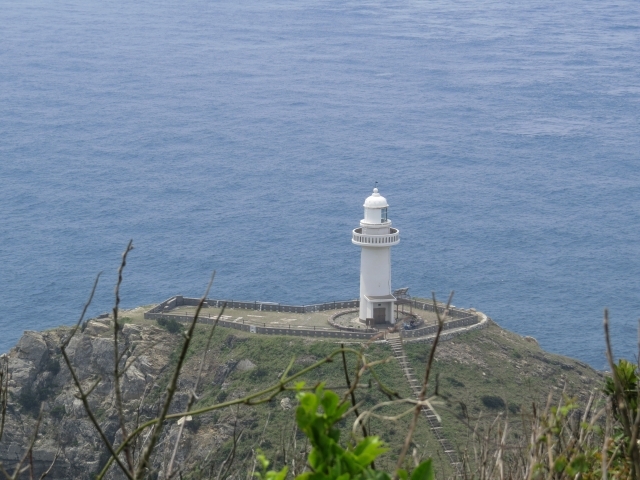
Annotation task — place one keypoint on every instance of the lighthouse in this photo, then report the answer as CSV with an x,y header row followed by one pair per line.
x,y
376,237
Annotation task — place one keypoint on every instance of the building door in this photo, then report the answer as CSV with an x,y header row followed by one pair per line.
x,y
379,315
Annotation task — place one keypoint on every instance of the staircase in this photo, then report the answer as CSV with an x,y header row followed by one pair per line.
x,y
395,340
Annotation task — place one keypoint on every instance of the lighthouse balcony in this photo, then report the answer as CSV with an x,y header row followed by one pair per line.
x,y
366,240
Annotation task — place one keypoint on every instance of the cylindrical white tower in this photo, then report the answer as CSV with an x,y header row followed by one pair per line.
x,y
376,237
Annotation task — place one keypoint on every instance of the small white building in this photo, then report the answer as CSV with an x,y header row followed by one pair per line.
x,y
376,237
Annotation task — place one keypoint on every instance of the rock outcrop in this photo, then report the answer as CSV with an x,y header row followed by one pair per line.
x,y
39,376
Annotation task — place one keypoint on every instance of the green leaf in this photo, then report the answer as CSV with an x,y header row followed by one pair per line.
x,y
402,474
330,402
578,465
263,461
314,459
281,475
306,411
368,449
424,471
560,464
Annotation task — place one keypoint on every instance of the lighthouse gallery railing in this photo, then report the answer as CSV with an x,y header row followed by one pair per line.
x,y
365,239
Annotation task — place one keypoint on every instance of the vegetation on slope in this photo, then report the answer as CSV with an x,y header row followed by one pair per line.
x,y
483,373
253,363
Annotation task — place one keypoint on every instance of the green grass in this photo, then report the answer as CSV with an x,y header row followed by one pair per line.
x,y
492,371
271,355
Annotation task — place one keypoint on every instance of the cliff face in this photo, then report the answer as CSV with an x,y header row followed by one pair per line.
x,y
38,374
475,367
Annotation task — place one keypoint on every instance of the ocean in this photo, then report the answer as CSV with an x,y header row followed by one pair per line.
x,y
243,137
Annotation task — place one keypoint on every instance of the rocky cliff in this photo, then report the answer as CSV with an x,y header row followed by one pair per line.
x,y
38,375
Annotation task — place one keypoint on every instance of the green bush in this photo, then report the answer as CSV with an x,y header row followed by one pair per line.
x,y
493,402
222,396
170,325
455,383
258,373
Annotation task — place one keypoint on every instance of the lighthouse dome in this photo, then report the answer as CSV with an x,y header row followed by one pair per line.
x,y
375,200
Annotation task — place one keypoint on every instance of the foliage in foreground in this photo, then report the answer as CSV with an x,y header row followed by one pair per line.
x,y
317,415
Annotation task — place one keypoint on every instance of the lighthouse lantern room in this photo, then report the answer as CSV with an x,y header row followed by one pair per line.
x,y
376,237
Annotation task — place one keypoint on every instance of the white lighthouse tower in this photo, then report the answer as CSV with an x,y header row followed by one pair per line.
x,y
376,237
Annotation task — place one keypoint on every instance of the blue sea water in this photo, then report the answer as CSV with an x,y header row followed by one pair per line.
x,y
244,135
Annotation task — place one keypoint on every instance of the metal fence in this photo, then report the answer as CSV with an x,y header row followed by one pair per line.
x,y
423,332
428,306
179,301
462,317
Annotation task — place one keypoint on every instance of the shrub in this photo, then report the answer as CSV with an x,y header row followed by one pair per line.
x,y
493,402
258,373
454,382
170,325
514,408
222,396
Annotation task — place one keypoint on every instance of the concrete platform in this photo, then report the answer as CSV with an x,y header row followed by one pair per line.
x,y
269,319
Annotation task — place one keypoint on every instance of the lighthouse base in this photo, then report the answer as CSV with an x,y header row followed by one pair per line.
x,y
377,309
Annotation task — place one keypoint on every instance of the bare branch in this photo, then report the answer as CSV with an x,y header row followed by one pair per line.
x,y
425,382
368,414
52,464
116,356
29,451
84,312
193,395
226,465
262,396
353,397
76,381
171,388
